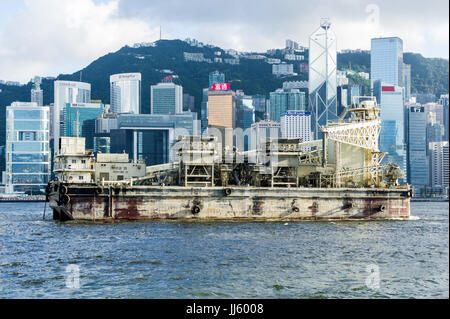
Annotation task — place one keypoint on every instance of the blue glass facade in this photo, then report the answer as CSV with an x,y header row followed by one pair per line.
x,y
282,101
417,146
27,147
85,114
386,61
392,135
216,77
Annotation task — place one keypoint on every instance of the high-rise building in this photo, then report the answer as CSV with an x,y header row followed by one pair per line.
x,y
322,77
166,98
386,61
37,95
296,124
262,132
439,164
222,109
67,92
204,110
188,103
27,147
79,121
445,110
417,146
125,93
435,111
259,104
245,112
216,77
345,96
392,135
285,100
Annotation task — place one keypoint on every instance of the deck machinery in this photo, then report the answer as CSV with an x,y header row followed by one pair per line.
x,y
340,176
347,156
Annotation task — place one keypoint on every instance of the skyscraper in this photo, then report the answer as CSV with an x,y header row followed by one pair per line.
x,y
222,109
296,124
386,61
285,100
417,146
445,110
245,112
262,132
322,77
392,134
37,95
216,77
79,121
67,92
125,93
204,110
439,164
27,147
166,98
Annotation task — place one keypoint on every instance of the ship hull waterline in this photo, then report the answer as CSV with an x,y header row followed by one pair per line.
x,y
94,203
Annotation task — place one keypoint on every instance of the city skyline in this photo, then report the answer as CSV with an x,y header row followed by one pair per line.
x,y
75,35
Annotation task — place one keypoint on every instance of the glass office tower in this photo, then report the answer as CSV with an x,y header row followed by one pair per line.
x,y
67,92
322,77
392,135
166,98
27,147
386,61
125,93
417,146
79,121
285,100
216,77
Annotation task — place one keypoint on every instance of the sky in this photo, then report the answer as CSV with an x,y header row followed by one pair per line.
x,y
51,37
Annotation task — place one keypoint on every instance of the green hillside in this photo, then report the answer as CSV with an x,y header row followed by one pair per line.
x,y
251,76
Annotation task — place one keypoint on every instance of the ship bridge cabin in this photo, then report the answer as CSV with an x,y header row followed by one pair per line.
x,y
75,164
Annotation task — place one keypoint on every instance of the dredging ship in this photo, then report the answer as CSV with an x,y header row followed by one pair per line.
x,y
340,176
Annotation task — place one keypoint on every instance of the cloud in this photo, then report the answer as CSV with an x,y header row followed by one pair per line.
x,y
48,37
259,25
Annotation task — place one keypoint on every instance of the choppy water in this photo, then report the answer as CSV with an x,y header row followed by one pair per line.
x,y
224,259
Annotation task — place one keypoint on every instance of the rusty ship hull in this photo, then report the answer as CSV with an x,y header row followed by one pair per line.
x,y
93,203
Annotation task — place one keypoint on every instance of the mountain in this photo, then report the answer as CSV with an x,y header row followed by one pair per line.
x,y
428,75
251,76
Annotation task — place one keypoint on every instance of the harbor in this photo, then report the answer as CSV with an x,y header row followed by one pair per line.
x,y
202,260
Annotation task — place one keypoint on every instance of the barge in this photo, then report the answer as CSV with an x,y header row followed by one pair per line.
x,y
339,177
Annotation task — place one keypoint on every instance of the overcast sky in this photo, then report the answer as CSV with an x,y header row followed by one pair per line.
x,y
49,37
